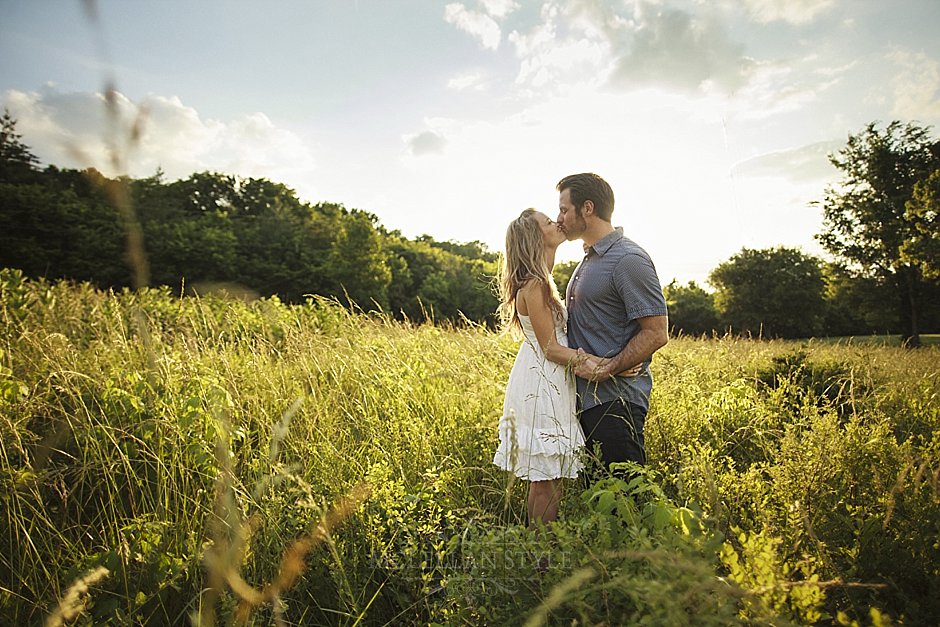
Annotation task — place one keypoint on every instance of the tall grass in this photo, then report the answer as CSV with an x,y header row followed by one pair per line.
x,y
231,462
108,448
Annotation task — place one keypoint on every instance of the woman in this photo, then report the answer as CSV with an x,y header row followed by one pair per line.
x,y
539,434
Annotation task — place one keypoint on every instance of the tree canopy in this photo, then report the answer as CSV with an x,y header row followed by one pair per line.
x,y
922,213
872,219
692,310
214,229
775,292
255,236
16,159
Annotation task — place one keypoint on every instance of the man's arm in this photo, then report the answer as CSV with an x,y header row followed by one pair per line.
x,y
653,335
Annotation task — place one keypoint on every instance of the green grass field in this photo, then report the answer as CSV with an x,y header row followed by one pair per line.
x,y
926,339
168,460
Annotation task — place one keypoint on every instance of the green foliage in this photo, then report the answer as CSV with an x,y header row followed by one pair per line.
x,y
358,261
759,566
786,483
799,380
562,274
865,217
922,212
213,232
819,459
627,554
692,310
857,305
775,292
17,162
430,283
52,232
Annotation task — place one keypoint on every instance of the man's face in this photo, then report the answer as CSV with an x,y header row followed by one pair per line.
x,y
570,219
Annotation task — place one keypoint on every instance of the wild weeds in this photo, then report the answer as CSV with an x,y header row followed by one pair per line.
x,y
209,474
76,597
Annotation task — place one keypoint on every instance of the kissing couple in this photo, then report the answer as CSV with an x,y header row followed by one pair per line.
x,y
580,385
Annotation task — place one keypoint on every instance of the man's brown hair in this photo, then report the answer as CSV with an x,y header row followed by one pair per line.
x,y
589,186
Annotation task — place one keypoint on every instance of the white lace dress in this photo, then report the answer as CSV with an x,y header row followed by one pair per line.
x,y
540,437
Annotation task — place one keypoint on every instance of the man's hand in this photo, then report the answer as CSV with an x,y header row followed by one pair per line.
x,y
592,368
595,368
653,335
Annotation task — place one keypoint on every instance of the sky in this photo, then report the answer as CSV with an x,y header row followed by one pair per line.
x,y
711,119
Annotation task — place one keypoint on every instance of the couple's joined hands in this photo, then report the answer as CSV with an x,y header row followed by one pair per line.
x,y
594,368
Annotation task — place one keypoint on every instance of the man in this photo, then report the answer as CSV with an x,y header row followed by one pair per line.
x,y
616,310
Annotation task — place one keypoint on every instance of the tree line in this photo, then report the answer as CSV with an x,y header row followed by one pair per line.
x,y
880,224
253,235
212,230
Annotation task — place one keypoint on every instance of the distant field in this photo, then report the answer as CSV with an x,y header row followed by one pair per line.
x,y
251,461
928,339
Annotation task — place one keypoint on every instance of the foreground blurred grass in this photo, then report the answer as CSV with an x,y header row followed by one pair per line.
x,y
189,444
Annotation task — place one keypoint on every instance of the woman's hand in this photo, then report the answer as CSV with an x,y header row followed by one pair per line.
x,y
591,367
594,368
632,372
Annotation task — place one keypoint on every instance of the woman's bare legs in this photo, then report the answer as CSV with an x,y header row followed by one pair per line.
x,y
544,497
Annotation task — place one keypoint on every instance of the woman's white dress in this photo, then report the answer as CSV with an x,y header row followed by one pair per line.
x,y
540,437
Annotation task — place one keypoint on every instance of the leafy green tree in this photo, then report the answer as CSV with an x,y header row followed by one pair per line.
x,y
189,236
468,250
476,293
562,274
401,284
17,162
218,228
431,281
855,304
269,225
774,292
866,221
692,310
49,230
358,261
255,233
922,212
416,260
470,275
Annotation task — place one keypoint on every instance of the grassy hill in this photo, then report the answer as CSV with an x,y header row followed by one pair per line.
x,y
166,460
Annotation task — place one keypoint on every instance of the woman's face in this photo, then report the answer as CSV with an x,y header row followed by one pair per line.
x,y
552,235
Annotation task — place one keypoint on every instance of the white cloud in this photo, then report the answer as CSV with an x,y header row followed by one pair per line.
x,y
548,58
473,80
590,42
774,89
804,163
74,130
541,36
425,143
835,72
500,8
675,48
546,61
792,11
480,25
916,86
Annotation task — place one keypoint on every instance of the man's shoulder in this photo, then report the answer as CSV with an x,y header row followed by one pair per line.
x,y
624,246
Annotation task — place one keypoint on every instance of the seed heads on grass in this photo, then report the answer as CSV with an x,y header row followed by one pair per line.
x,y
76,597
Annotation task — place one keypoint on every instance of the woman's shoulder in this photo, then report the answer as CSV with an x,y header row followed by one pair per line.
x,y
531,293
531,285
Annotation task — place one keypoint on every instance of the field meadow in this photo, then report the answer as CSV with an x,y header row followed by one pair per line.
x,y
169,460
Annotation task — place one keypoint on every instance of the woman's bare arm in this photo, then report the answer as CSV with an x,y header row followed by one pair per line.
x,y
532,303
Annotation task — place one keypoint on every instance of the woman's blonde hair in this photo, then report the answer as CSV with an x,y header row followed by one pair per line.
x,y
524,261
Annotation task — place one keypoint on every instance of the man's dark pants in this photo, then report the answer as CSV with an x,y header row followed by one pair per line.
x,y
617,427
